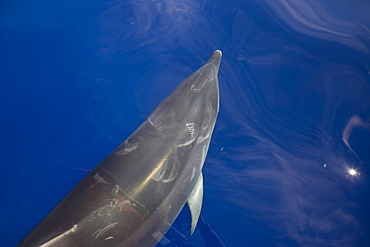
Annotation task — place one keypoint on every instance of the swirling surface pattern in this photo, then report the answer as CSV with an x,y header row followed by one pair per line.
x,y
289,159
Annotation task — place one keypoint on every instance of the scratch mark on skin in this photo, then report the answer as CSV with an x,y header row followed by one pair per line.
x,y
100,232
129,147
161,118
190,127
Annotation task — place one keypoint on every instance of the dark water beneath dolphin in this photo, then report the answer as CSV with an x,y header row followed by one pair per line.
x,y
77,77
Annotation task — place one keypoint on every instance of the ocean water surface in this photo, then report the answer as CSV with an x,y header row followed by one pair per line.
x,y
78,77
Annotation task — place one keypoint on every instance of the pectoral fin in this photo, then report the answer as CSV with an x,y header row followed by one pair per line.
x,y
195,202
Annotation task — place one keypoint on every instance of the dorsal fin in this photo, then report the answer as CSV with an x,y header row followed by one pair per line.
x,y
195,202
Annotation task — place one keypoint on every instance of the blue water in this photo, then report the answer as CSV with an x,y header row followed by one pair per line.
x,y
78,77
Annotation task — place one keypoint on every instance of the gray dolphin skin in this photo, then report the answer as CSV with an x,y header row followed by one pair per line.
x,y
133,196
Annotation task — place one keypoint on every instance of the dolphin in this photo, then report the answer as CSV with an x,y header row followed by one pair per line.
x,y
133,196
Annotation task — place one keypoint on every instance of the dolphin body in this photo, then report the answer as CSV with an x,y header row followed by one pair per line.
x,y
133,196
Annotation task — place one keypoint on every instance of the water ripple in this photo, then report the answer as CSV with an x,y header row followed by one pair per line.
x,y
312,19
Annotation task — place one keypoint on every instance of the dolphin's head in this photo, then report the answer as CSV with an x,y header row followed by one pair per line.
x,y
207,74
190,111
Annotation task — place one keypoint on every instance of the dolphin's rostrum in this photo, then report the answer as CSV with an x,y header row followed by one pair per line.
x,y
133,196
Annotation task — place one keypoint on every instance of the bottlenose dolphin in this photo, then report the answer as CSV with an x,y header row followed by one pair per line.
x,y
133,196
